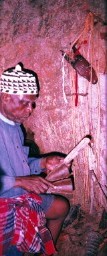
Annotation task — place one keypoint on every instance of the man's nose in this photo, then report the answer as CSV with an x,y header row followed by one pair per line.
x,y
31,106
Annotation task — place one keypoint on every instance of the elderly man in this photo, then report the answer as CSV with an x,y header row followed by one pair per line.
x,y
19,174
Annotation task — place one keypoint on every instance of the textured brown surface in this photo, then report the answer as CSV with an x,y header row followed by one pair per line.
x,y
34,32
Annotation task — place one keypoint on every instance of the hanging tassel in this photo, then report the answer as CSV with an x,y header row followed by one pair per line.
x,y
76,89
63,81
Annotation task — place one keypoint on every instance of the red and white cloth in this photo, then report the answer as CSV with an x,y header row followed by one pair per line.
x,y
23,223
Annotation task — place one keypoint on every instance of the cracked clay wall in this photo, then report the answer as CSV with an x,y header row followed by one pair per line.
x,y
34,33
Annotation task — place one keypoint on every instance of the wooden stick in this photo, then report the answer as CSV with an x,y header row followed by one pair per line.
x,y
74,152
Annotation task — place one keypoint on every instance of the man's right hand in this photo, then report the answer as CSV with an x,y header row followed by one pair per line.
x,y
33,183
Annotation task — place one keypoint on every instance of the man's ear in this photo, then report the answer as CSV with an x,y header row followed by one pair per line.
x,y
6,97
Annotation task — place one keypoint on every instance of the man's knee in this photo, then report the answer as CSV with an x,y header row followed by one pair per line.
x,y
59,208
63,205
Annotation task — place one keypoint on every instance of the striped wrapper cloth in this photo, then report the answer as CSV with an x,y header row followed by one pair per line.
x,y
23,223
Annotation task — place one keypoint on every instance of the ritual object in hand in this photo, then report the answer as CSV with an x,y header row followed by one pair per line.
x,y
61,176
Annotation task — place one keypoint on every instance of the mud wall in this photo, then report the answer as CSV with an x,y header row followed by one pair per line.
x,y
34,33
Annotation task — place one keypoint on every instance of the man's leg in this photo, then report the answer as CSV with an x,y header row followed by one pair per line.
x,y
13,252
56,215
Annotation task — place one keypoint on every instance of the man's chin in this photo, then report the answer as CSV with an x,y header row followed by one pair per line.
x,y
24,118
20,120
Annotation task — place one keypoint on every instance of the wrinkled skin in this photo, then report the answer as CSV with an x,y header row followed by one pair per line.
x,y
38,184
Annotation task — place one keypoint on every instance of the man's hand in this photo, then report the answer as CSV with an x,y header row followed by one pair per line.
x,y
56,169
53,162
33,183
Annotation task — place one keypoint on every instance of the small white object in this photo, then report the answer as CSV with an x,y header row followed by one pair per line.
x,y
74,152
18,67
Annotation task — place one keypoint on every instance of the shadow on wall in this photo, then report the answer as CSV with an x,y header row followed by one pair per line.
x,y
34,149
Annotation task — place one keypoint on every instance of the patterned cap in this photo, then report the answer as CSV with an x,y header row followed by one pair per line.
x,y
18,81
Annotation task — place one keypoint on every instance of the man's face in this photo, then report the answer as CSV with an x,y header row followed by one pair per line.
x,y
18,107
